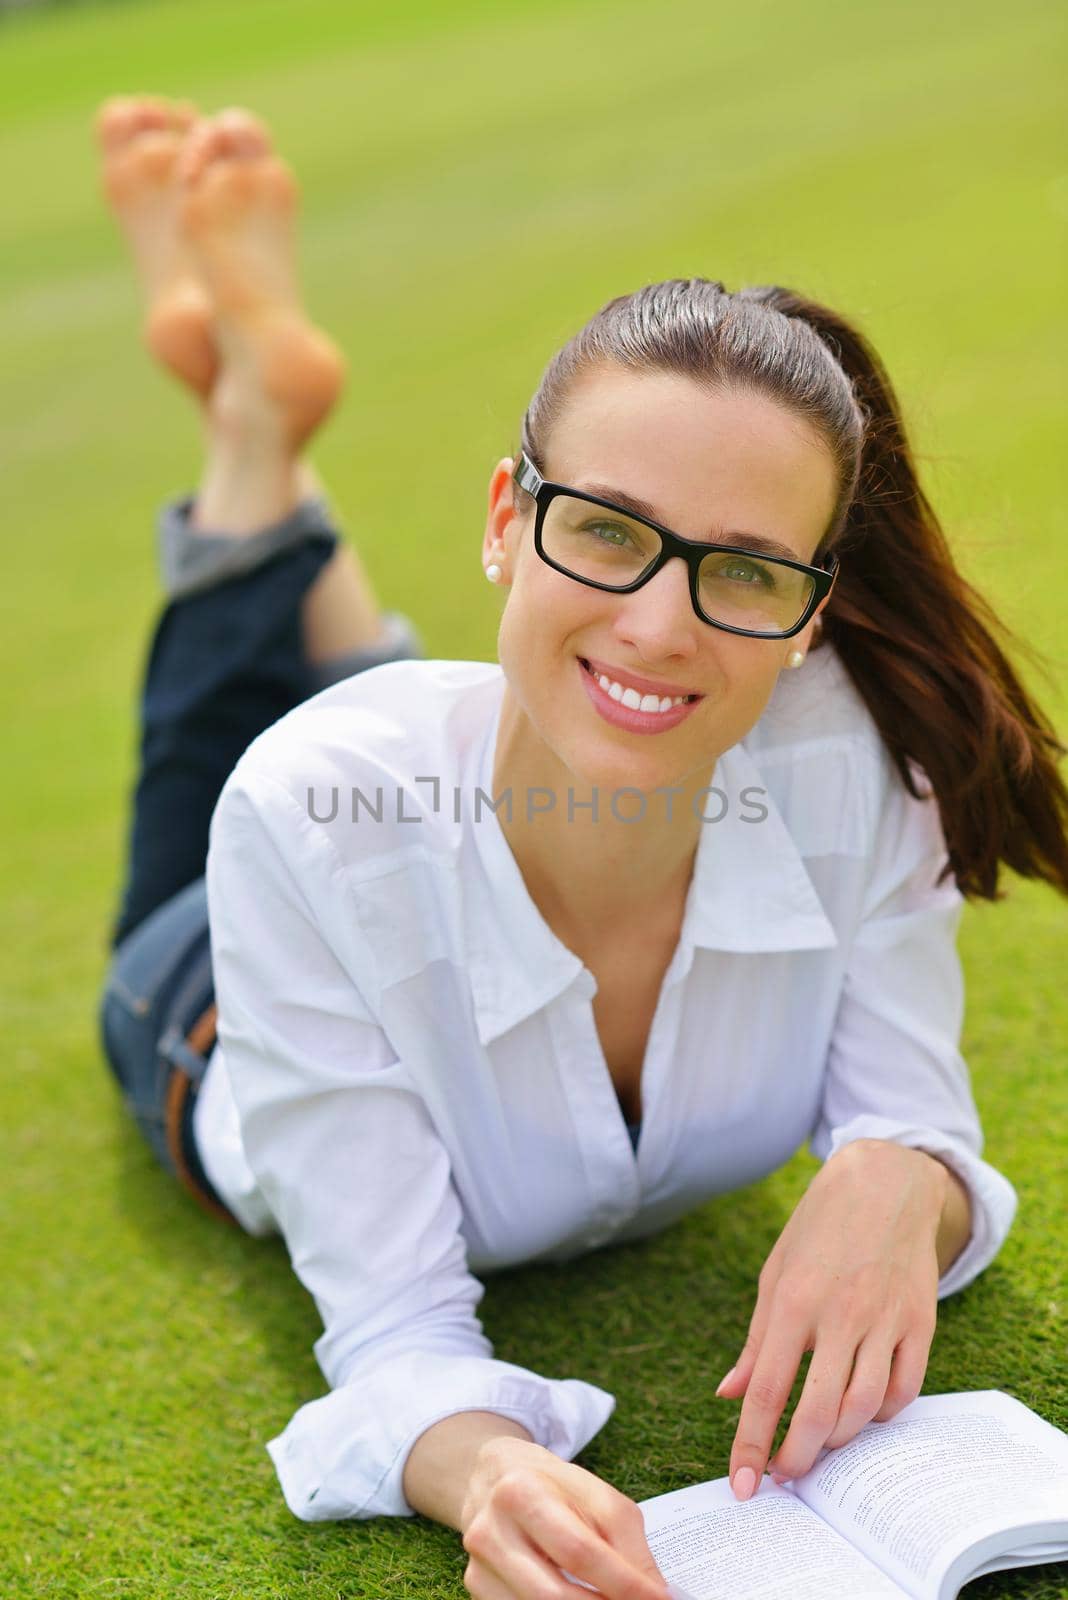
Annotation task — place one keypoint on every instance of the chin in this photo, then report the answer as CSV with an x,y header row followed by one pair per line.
x,y
619,770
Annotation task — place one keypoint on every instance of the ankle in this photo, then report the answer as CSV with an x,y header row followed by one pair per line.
x,y
244,489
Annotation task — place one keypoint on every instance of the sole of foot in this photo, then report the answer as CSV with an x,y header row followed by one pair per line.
x,y
142,139
236,215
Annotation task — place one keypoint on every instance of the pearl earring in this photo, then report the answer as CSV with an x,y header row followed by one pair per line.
x,y
493,572
795,658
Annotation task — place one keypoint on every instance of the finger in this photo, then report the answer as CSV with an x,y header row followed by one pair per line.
x,y
507,1565
817,1411
866,1391
838,1372
907,1372
767,1394
535,1528
483,1584
583,1551
626,1529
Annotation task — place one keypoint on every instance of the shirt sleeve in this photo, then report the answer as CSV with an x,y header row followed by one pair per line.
x,y
894,1070
348,1160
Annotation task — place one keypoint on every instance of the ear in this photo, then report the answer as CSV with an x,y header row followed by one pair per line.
x,y
501,518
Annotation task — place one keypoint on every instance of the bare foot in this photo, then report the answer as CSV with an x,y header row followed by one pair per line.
x,y
237,210
141,139
208,211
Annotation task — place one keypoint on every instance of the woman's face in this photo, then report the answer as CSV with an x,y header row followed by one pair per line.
x,y
708,465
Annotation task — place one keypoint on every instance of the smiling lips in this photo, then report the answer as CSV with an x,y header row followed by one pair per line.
x,y
641,686
640,705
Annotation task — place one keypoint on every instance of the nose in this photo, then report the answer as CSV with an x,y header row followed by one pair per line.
x,y
658,619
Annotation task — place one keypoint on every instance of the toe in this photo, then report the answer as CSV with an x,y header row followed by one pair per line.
x,y
197,151
113,119
126,117
227,191
241,133
231,135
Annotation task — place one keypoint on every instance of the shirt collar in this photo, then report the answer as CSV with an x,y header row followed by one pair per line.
x,y
750,893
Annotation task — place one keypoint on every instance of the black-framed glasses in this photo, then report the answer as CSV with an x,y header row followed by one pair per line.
x,y
738,589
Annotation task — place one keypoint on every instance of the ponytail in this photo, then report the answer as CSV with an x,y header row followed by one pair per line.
x,y
927,653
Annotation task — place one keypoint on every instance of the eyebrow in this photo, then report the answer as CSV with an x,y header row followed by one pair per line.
x,y
641,508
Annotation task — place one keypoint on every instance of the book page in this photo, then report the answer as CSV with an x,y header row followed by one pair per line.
x,y
948,1473
771,1547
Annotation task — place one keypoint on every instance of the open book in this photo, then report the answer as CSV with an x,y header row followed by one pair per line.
x,y
954,1486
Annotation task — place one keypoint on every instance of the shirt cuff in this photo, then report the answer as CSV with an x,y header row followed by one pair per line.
x,y
343,1455
993,1198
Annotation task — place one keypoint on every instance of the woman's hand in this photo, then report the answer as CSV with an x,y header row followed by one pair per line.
x,y
853,1277
529,1517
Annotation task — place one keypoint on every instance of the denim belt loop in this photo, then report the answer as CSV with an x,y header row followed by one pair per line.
x,y
175,1047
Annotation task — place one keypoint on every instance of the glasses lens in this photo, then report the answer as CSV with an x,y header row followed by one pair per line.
x,y
594,542
752,592
607,546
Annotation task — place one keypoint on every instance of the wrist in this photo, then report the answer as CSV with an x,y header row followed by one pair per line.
x,y
943,1176
871,1150
444,1459
954,1219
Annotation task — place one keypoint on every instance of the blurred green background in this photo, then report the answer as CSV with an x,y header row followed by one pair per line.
x,y
477,179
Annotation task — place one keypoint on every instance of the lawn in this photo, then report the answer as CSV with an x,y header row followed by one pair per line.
x,y
477,180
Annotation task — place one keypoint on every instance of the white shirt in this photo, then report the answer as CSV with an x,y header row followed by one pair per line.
x,y
409,1084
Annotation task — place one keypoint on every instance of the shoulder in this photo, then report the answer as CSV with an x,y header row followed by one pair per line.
x,y
830,773
823,759
370,749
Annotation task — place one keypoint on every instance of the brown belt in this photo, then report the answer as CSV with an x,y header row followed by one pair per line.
x,y
199,1039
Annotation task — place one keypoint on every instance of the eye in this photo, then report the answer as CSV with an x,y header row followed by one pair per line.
x,y
616,533
740,569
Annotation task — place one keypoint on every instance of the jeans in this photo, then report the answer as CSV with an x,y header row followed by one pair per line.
x,y
224,663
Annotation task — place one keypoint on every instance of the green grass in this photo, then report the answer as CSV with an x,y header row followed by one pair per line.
x,y
477,180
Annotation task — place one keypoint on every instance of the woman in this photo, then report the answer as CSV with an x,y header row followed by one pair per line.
x,y
687,867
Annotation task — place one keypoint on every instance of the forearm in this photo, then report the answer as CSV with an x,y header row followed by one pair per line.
x,y
442,1459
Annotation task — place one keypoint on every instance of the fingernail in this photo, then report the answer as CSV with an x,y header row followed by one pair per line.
x,y
743,1483
780,1478
726,1379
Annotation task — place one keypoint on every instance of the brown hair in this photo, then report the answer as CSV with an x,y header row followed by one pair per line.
x,y
919,642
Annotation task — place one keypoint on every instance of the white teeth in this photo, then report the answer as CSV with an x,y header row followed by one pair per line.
x,y
636,701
